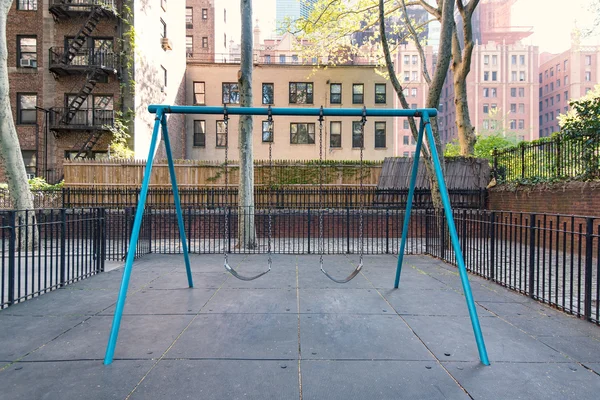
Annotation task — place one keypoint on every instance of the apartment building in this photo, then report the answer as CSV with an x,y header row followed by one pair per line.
x,y
211,27
295,85
71,76
409,70
563,77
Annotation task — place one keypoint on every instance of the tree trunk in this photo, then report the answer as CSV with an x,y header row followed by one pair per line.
x,y
465,130
10,149
246,229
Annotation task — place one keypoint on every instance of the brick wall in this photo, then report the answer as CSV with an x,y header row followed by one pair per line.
x,y
571,198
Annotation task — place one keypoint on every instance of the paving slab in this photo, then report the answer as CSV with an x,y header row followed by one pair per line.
x,y
152,302
277,278
85,380
446,302
255,336
220,379
383,337
526,381
21,335
384,380
257,301
343,301
140,336
452,339
579,348
178,280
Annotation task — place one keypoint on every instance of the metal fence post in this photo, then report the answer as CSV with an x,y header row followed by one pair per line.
x,y
348,230
63,243
229,229
492,274
308,221
149,221
102,239
532,219
522,161
11,257
589,243
387,231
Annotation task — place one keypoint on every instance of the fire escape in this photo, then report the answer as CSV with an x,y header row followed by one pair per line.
x,y
82,112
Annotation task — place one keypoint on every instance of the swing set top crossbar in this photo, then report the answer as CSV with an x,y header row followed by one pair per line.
x,y
294,111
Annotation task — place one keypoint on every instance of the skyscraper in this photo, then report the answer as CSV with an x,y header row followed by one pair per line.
x,y
292,10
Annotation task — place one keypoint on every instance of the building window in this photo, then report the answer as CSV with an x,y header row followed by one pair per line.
x,y
413,106
588,60
486,124
486,108
521,92
486,76
513,124
379,135
164,76
551,86
513,76
413,92
566,80
205,42
405,140
406,60
415,76
199,93
221,134
494,60
268,90
199,133
301,93
335,134
163,33
189,45
552,71
513,108
513,60
205,13
557,83
231,93
267,59
415,60
189,18
566,95
522,59
302,133
521,108
406,76
380,94
493,92
486,92
358,90
405,154
281,59
588,76
27,51
405,124
27,5
267,131
335,93
26,113
513,92
294,59
494,107
558,98
486,60
522,76
357,134
494,76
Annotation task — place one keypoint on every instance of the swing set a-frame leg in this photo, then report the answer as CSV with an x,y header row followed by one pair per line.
x,y
160,120
425,128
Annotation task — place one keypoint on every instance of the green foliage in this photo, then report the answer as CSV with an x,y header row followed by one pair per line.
x,y
484,146
120,133
38,184
583,117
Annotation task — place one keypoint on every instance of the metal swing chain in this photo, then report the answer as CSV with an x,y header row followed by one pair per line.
x,y
270,122
321,238
362,192
226,122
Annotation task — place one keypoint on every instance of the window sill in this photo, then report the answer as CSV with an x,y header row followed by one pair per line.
x,y
380,148
25,70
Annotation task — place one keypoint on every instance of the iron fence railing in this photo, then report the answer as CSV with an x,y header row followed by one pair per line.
x,y
558,158
42,198
85,57
284,197
43,250
84,118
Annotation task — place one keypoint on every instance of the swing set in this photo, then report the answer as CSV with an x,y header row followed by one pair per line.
x,y
424,115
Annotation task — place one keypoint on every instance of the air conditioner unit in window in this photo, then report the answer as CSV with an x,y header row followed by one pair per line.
x,y
166,44
28,63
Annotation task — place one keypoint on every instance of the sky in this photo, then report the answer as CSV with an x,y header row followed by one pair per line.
x,y
552,21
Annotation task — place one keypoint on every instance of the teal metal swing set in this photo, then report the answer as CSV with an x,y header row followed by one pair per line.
x,y
423,114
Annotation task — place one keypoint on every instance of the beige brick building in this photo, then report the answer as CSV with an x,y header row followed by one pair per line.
x,y
285,85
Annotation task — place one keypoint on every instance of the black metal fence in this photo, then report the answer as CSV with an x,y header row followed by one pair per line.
x,y
557,158
43,250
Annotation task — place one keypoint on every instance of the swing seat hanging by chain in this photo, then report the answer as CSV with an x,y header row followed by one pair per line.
x,y
360,211
228,268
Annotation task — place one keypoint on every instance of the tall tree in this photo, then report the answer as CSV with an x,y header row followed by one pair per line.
x,y
10,150
246,229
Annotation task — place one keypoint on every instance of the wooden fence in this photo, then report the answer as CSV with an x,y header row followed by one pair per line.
x,y
129,173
